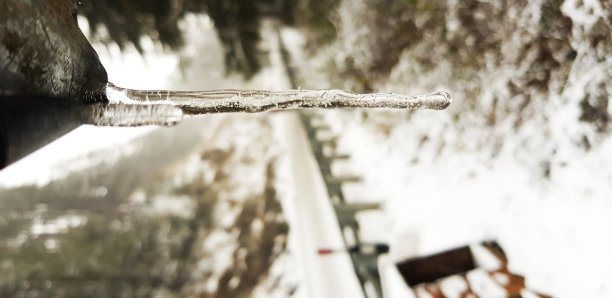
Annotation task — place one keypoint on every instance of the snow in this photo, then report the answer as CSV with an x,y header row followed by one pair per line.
x,y
550,230
57,225
443,182
314,224
182,206
307,208
449,179
483,285
50,162
454,286
393,284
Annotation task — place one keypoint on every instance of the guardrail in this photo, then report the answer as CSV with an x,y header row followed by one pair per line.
x,y
363,255
421,274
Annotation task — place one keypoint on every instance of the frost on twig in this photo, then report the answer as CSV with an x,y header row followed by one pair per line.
x,y
252,101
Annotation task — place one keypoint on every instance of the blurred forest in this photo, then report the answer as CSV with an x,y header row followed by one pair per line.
x,y
383,30
236,21
184,225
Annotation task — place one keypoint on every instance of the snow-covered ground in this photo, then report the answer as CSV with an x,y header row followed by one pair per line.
x,y
536,177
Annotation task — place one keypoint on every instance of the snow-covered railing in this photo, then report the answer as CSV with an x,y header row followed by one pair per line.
x,y
364,256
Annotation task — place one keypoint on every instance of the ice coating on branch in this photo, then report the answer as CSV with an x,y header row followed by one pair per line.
x,y
252,101
133,115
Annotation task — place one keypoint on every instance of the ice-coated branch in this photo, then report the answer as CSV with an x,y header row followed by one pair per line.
x,y
131,115
253,101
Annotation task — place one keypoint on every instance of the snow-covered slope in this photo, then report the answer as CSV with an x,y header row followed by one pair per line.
x,y
523,153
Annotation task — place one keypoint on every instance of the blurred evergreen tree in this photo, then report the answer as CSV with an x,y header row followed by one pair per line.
x,y
236,21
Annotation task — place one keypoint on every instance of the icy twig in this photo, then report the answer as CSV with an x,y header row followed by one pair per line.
x,y
253,101
132,115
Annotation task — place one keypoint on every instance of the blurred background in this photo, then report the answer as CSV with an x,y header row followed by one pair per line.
x,y
229,205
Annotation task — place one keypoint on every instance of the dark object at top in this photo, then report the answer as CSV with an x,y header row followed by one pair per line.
x,y
30,122
43,52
